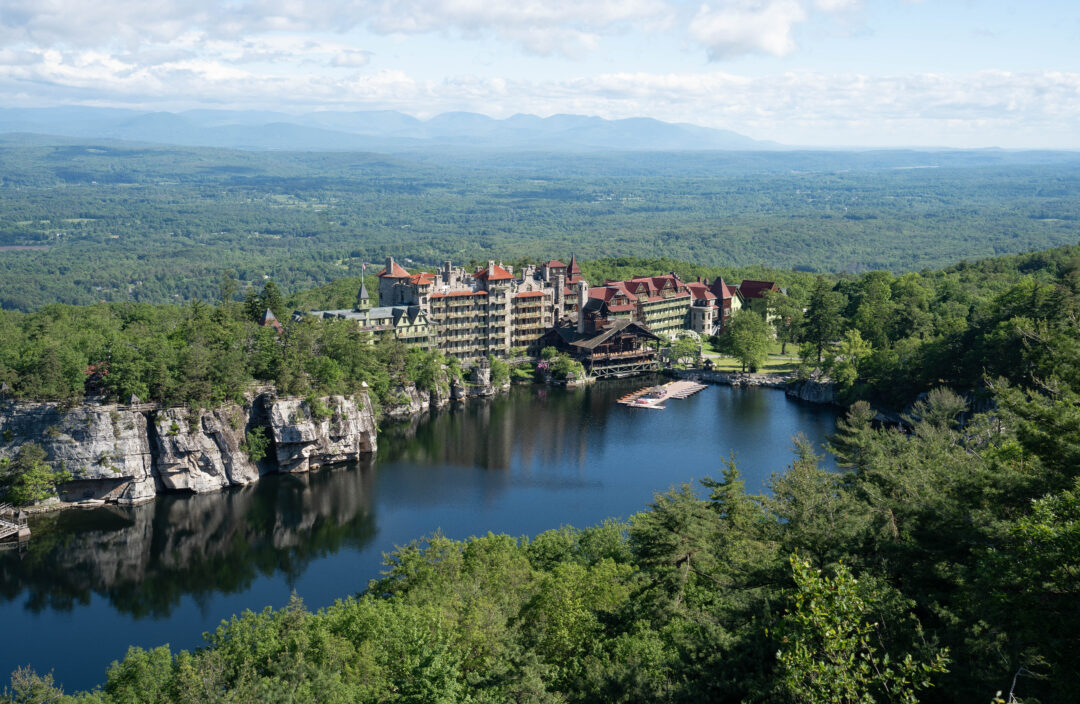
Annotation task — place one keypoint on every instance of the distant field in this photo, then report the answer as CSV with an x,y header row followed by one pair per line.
x,y
81,223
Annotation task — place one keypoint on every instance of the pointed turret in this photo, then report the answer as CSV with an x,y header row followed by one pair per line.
x,y
269,320
363,300
573,272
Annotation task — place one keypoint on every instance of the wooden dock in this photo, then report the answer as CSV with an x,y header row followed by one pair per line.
x,y
12,523
655,396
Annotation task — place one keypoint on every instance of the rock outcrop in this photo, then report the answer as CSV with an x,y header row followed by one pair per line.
x,y
407,401
813,391
129,454
306,438
105,448
201,451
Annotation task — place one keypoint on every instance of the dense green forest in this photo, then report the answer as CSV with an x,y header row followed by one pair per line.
x,y
117,222
941,566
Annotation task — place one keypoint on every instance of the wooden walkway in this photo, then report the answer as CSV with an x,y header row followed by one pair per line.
x,y
655,396
12,524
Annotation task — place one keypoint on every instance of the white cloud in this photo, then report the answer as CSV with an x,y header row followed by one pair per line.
x,y
351,58
539,26
732,29
837,5
1036,108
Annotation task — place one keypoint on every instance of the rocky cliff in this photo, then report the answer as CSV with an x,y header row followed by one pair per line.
x,y
201,451
338,430
105,448
129,454
813,391
407,401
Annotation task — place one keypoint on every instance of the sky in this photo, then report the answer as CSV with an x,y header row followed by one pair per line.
x,y
955,73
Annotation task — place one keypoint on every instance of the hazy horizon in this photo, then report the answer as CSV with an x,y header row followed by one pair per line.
x,y
812,73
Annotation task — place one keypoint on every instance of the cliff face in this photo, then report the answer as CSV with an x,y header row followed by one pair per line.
x,y
128,455
303,440
407,401
105,448
201,452
813,391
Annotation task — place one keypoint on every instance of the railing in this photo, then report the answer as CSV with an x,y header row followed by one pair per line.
x,y
10,526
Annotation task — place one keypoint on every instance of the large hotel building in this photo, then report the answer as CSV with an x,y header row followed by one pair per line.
x,y
493,311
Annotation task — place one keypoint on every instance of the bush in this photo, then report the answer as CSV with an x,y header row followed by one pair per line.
x,y
256,444
27,479
500,371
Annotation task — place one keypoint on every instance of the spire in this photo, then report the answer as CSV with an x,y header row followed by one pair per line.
x,y
574,268
269,320
573,272
363,299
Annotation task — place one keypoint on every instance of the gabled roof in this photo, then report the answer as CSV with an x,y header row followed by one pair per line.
x,y
268,319
555,264
754,289
574,268
422,278
721,289
497,273
700,291
591,340
395,271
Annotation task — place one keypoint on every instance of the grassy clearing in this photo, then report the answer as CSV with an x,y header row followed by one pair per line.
x,y
772,365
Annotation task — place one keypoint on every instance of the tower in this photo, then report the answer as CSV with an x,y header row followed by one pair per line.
x,y
363,300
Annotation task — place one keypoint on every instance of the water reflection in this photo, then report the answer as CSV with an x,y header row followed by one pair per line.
x,y
532,425
93,582
145,558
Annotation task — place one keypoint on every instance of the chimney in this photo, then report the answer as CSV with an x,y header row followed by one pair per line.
x,y
582,298
389,265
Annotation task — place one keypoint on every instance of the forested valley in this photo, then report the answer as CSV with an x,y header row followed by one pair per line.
x,y
941,565
83,223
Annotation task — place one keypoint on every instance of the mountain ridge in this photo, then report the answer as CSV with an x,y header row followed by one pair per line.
x,y
374,130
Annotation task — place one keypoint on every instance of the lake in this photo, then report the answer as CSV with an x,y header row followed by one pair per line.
x,y
92,582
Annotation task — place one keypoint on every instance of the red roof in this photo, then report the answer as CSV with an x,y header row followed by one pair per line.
x,y
721,289
397,272
574,270
530,294
555,264
699,291
754,289
459,293
424,277
497,274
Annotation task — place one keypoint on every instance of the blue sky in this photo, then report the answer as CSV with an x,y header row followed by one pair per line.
x,y
808,72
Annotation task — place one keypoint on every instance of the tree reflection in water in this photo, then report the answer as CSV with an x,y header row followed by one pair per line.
x,y
145,558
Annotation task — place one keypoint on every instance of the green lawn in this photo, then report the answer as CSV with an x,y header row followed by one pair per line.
x,y
772,365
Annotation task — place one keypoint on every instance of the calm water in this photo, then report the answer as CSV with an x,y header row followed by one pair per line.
x,y
94,581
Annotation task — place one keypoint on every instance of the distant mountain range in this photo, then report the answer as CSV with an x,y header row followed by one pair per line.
x,y
377,130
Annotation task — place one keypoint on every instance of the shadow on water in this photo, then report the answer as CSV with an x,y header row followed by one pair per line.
x,y
145,558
